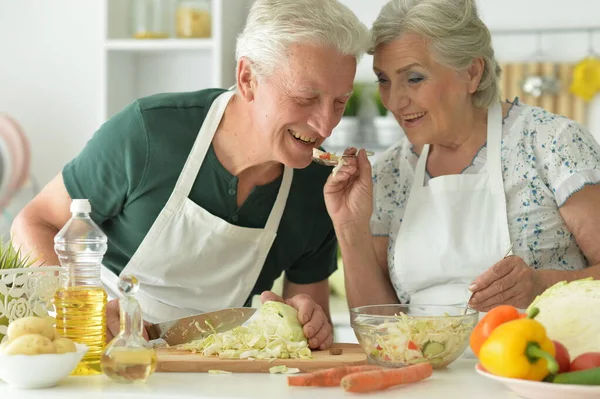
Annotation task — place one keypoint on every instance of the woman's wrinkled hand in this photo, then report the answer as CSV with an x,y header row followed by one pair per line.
x,y
349,194
316,326
509,282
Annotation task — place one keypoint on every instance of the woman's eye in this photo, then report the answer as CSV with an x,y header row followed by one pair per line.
x,y
415,78
381,79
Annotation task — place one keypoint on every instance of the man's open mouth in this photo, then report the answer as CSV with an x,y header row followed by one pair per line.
x,y
301,138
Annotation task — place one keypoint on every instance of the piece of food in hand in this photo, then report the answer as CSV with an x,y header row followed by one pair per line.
x,y
327,158
327,378
585,361
30,344
337,167
376,380
30,325
562,357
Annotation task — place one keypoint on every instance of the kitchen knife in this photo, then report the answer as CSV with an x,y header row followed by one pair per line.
x,y
191,328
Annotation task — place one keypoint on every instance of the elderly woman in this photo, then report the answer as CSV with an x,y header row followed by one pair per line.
x,y
472,179
204,195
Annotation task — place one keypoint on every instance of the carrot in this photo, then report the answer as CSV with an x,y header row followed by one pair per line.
x,y
326,378
375,380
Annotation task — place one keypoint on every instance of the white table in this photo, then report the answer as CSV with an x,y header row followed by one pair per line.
x,y
457,381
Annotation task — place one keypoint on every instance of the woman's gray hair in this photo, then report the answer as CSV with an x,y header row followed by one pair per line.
x,y
273,25
456,33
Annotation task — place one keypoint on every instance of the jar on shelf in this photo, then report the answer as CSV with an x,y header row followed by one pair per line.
x,y
150,19
193,19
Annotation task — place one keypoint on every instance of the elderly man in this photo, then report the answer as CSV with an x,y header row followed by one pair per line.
x,y
208,196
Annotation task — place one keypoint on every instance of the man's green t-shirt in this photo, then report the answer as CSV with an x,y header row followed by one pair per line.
x,y
130,166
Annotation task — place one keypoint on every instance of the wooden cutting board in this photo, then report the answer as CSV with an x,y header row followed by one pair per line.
x,y
173,360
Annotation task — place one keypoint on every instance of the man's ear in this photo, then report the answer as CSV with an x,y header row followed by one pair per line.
x,y
475,72
246,80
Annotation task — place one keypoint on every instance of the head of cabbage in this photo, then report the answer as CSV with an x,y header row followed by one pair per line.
x,y
570,312
274,332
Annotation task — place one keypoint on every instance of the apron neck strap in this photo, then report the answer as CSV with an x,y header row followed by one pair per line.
x,y
494,144
494,147
277,211
202,144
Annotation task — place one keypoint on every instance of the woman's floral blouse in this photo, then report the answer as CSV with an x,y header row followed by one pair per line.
x,y
545,159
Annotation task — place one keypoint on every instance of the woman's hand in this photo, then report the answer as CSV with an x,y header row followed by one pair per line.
x,y
349,194
509,282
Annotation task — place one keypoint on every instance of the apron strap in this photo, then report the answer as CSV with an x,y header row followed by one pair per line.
x,y
494,144
277,212
202,144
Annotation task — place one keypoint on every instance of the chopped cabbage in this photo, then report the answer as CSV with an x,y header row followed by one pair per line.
x,y
274,333
438,340
570,312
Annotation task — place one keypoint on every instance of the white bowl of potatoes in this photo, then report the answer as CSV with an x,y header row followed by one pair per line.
x,y
35,356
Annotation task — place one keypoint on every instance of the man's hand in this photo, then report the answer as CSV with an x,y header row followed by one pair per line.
x,y
317,328
113,321
509,282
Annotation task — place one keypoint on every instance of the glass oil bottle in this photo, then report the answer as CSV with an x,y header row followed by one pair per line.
x,y
129,358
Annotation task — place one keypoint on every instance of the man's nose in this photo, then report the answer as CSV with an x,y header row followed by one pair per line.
x,y
325,121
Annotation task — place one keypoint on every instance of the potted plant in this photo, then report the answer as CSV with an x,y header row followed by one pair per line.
x,y
387,129
346,133
24,290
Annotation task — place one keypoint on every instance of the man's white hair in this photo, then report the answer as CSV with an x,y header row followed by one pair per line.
x,y
273,25
456,34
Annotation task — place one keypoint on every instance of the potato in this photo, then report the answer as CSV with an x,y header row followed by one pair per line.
x,y
57,335
64,345
3,345
30,325
30,344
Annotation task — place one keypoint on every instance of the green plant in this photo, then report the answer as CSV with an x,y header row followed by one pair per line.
x,y
11,258
353,103
380,107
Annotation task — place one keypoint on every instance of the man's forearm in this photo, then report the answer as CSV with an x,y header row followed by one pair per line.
x,y
366,283
35,239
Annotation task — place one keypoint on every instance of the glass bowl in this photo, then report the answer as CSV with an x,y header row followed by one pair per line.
x,y
400,335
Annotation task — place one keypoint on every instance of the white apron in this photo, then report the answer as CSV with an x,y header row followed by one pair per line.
x,y
453,229
192,261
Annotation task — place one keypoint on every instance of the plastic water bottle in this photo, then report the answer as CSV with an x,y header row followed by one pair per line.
x,y
81,301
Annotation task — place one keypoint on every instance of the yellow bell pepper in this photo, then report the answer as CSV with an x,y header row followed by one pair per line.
x,y
519,349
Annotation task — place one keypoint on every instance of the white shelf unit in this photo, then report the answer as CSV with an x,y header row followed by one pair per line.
x,y
135,68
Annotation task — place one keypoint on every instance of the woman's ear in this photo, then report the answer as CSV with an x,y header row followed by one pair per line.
x,y
475,73
246,80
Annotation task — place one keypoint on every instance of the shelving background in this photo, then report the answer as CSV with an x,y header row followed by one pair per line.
x,y
135,68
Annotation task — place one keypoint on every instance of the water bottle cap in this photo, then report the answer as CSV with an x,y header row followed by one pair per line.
x,y
81,206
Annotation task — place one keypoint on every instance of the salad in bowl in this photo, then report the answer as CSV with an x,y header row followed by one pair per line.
x,y
400,335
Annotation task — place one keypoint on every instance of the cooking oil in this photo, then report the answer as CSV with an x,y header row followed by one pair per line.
x,y
129,365
81,301
129,357
81,317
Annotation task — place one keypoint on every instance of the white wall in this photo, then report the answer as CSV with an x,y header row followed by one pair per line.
x,y
520,14
50,63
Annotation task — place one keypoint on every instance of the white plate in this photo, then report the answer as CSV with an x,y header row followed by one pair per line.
x,y
544,390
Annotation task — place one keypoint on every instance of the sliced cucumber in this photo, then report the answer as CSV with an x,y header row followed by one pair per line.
x,y
432,348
